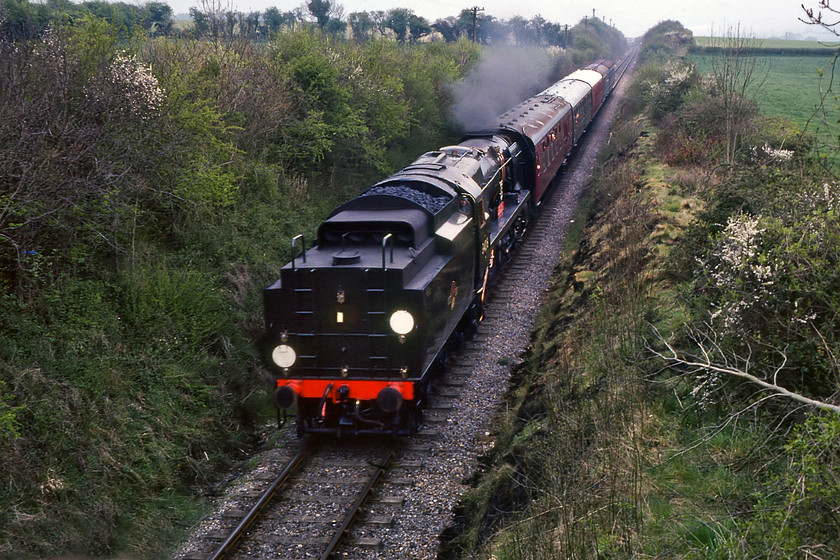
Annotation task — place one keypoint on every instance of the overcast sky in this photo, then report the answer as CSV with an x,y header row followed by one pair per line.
x,y
759,18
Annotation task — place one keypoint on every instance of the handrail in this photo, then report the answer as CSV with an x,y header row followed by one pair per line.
x,y
303,252
387,237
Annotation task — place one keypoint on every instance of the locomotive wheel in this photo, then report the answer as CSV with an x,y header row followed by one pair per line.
x,y
304,419
473,319
438,368
410,418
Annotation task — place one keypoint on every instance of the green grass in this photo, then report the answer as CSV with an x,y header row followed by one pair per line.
x,y
776,44
793,89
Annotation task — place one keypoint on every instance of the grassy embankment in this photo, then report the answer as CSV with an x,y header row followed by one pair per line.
x,y
611,448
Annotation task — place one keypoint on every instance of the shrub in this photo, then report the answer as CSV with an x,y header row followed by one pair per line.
x,y
182,307
770,280
146,200
796,513
663,88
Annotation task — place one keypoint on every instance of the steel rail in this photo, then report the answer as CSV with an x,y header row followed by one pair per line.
x,y
625,63
356,506
305,449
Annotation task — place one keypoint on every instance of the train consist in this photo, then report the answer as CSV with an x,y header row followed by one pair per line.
x,y
358,326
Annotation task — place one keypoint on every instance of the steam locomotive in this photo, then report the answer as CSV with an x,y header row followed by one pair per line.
x,y
359,325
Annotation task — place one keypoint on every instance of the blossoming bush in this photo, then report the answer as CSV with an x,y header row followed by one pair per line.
x,y
128,88
739,271
663,88
144,202
772,283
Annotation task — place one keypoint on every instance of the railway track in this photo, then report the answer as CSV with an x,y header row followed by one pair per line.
x,y
380,500
334,498
307,510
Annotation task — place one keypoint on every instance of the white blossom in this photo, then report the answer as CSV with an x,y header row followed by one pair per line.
x,y
50,55
675,75
776,154
738,267
140,86
740,239
824,197
135,85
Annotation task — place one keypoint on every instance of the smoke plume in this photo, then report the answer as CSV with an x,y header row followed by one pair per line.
x,y
502,79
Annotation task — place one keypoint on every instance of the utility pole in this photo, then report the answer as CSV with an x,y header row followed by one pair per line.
x,y
475,10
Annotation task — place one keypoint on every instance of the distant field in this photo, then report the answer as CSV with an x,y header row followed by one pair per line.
x,y
778,44
792,89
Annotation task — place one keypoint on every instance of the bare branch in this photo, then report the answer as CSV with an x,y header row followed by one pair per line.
x,y
738,75
815,17
708,346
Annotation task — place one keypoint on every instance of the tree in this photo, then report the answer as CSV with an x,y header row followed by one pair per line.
x,y
229,24
380,19
830,23
738,74
211,14
320,10
21,20
465,23
273,20
480,27
361,25
336,26
418,27
490,30
522,32
201,23
398,21
554,34
712,359
252,23
538,27
328,16
448,27
158,18
814,16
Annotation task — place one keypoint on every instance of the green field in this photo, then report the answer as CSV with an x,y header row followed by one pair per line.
x,y
776,44
792,90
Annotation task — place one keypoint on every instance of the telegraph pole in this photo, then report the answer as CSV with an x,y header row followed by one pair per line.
x,y
475,10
